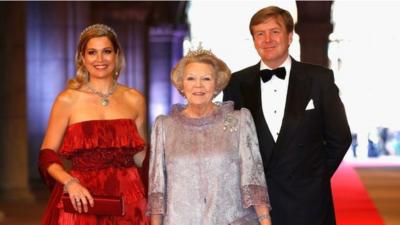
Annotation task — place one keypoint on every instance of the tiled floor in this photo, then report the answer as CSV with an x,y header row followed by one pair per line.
x,y
383,185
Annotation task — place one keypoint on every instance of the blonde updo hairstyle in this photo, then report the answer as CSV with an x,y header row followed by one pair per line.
x,y
94,31
221,71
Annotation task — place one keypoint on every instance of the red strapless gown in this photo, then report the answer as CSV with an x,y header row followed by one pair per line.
x,y
102,152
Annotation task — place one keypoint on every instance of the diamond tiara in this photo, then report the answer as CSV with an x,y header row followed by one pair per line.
x,y
199,51
98,26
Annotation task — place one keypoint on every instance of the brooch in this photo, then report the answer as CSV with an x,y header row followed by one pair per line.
x,y
230,123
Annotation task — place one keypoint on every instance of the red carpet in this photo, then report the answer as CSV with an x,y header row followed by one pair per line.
x,y
353,206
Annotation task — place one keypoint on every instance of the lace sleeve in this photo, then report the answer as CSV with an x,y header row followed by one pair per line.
x,y
156,169
252,178
254,195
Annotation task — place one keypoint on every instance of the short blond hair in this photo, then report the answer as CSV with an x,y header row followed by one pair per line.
x,y
221,70
265,14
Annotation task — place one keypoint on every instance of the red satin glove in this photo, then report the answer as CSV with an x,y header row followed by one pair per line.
x,y
46,158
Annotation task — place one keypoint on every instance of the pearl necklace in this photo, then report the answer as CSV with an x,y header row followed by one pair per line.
x,y
104,101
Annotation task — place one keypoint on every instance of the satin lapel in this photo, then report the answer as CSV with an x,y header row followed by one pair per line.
x,y
297,97
251,91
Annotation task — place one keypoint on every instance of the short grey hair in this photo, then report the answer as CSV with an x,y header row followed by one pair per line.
x,y
221,70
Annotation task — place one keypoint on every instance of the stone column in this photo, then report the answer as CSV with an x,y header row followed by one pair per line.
x,y
177,46
314,27
13,123
160,60
165,50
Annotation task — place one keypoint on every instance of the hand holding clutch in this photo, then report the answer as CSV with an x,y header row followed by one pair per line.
x,y
103,205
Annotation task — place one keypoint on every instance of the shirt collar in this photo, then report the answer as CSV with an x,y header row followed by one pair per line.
x,y
287,64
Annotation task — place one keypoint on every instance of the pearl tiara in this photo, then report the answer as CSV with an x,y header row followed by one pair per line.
x,y
98,26
199,51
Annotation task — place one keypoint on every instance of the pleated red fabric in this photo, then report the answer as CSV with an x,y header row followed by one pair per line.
x,y
101,152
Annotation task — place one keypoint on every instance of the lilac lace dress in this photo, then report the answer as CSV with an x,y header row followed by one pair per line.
x,y
205,171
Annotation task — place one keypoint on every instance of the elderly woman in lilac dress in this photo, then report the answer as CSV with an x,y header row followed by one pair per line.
x,y
205,164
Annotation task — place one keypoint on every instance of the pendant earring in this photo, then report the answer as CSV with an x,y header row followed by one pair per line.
x,y
85,77
115,75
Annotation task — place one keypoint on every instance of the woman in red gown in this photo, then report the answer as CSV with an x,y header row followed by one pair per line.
x,y
100,126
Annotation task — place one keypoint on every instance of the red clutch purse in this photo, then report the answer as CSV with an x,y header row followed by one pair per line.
x,y
103,205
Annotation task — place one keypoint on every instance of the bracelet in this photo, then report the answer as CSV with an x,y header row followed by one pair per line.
x,y
263,217
69,182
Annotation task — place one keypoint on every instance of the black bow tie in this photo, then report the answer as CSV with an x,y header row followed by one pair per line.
x,y
267,74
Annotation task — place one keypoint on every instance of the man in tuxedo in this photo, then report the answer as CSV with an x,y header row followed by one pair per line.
x,y
300,120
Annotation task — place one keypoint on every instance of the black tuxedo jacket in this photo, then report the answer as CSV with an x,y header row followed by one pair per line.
x,y
310,146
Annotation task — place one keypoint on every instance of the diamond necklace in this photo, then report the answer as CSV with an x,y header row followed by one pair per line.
x,y
103,97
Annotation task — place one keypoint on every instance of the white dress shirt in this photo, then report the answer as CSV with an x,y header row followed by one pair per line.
x,y
273,98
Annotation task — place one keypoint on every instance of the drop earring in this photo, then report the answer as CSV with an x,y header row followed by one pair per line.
x,y
115,76
85,77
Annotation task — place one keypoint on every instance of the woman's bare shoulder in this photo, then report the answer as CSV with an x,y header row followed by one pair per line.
x,y
67,97
132,95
